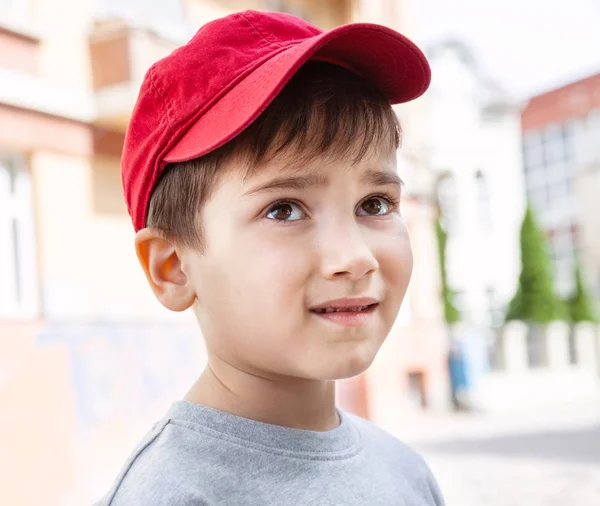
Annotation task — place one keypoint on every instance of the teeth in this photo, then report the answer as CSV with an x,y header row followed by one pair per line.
x,y
337,310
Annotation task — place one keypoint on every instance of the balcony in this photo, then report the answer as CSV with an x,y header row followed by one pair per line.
x,y
120,55
121,52
19,51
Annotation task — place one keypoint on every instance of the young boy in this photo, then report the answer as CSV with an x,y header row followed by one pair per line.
x,y
260,173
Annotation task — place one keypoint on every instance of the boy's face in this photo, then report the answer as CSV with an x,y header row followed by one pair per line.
x,y
287,243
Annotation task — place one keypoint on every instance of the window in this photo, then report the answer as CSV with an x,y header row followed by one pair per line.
x,y
554,143
575,132
562,248
571,134
416,388
539,197
447,197
594,134
460,301
495,315
535,177
533,150
483,200
559,193
551,186
18,287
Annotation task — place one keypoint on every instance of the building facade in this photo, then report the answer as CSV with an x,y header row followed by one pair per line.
x,y
561,148
474,148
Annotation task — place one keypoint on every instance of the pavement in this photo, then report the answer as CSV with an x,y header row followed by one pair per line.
x,y
536,457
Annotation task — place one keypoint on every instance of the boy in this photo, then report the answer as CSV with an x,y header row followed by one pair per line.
x,y
260,173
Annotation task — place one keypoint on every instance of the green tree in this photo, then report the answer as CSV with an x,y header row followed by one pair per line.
x,y
451,314
535,300
580,305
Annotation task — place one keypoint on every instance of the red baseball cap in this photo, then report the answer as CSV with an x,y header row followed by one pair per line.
x,y
208,91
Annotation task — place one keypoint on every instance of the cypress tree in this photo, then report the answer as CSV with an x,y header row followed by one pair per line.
x,y
580,304
451,314
535,300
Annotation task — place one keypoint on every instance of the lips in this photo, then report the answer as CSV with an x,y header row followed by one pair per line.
x,y
347,305
358,309
350,312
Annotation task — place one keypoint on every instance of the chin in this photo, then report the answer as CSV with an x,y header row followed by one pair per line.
x,y
348,367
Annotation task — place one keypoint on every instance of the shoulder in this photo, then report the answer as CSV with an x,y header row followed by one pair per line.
x,y
387,445
160,471
387,450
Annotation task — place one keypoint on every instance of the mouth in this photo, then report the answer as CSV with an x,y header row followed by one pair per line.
x,y
358,309
347,312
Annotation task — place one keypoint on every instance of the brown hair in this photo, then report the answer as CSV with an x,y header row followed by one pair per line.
x,y
324,110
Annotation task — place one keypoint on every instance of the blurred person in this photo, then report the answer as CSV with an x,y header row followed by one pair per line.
x,y
259,170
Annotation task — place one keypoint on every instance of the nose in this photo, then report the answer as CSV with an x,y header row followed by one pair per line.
x,y
346,254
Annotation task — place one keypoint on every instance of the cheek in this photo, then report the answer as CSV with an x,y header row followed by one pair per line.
x,y
395,258
260,273
252,296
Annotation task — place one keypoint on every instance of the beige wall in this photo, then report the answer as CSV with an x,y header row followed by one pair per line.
x,y
88,263
73,404
64,58
38,419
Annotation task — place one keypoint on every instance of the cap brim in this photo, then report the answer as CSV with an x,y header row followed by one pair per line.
x,y
389,60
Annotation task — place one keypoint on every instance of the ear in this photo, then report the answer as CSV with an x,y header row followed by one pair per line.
x,y
162,265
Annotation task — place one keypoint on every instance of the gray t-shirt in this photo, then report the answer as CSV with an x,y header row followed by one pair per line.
x,y
201,456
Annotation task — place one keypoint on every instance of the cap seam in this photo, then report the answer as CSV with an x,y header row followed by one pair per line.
x,y
177,125
161,95
259,33
164,124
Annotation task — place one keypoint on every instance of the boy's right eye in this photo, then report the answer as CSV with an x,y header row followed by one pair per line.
x,y
285,211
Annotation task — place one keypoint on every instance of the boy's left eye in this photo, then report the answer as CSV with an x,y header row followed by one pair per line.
x,y
374,206
286,211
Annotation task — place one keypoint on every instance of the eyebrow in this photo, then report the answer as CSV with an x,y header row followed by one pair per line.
x,y
298,183
289,183
382,178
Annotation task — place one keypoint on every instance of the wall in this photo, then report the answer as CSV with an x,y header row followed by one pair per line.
x,y
467,138
537,370
576,108
77,398
89,267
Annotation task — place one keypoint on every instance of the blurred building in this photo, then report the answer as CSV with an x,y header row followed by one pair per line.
x,y
561,146
474,148
88,357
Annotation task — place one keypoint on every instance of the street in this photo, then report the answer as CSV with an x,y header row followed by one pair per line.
x,y
545,458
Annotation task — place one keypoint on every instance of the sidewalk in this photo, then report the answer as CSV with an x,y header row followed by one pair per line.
x,y
537,458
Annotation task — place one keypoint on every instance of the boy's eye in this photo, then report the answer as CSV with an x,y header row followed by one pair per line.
x,y
285,211
374,206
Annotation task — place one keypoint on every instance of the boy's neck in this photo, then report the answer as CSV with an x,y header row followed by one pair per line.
x,y
294,403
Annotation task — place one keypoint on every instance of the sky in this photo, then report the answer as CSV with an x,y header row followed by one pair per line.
x,y
529,46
